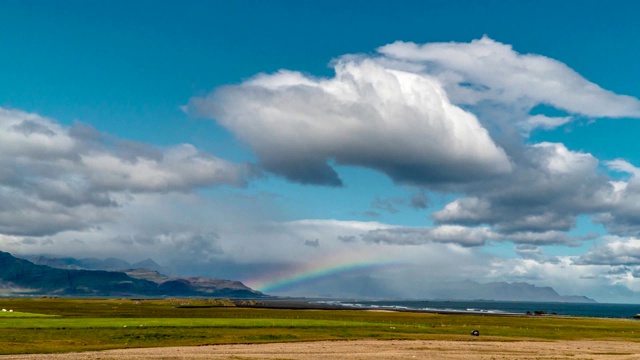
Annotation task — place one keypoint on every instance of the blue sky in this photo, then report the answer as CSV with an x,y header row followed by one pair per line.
x,y
483,140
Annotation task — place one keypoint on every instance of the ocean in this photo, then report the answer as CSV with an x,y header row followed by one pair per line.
x,y
600,310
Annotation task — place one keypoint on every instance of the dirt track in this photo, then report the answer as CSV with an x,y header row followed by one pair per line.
x,y
371,349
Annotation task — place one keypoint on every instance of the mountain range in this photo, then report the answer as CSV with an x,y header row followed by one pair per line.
x,y
41,275
501,291
365,287
108,264
23,277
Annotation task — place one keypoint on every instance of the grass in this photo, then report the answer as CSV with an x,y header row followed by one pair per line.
x,y
14,314
67,325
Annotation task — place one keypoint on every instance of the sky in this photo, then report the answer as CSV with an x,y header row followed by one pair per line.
x,y
328,148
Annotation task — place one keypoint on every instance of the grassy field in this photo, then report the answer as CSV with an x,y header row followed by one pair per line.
x,y
93,324
20,314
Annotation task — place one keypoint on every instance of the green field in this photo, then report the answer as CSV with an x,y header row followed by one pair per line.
x,y
21,315
94,324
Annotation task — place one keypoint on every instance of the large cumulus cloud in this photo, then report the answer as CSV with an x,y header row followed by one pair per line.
x,y
398,122
418,113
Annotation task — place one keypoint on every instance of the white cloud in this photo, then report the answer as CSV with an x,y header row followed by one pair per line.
x,y
556,159
469,210
544,122
397,122
487,70
25,135
549,187
615,251
622,165
452,234
622,213
56,178
180,168
540,238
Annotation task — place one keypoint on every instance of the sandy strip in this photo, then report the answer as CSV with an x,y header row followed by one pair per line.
x,y
372,349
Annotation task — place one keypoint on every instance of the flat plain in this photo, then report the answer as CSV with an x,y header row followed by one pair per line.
x,y
205,328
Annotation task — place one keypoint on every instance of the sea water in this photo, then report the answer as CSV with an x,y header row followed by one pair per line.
x,y
600,310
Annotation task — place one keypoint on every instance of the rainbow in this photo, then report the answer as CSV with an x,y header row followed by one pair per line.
x,y
281,282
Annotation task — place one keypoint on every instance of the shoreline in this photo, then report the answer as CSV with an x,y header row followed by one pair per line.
x,y
320,304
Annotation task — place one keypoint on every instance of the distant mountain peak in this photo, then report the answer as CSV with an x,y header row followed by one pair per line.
x,y
108,264
147,263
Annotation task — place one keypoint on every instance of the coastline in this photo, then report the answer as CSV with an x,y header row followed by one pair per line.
x,y
323,304
464,307
301,304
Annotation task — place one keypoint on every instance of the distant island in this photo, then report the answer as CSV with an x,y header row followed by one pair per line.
x,y
501,291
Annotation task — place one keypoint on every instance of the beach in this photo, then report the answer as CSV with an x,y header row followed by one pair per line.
x,y
372,349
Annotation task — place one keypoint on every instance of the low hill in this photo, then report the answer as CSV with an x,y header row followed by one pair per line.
x,y
196,285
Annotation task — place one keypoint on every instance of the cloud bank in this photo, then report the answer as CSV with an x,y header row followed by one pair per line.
x,y
56,178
